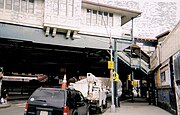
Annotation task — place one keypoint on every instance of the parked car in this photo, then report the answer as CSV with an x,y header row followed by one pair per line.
x,y
56,101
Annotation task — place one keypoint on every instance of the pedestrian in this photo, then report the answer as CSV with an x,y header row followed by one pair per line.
x,y
4,97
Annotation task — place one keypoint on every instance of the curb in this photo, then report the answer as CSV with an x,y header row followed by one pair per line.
x,y
4,105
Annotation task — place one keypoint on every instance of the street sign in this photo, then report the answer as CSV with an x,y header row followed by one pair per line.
x,y
129,77
115,76
110,65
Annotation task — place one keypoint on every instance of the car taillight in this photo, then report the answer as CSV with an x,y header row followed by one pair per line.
x,y
66,110
26,108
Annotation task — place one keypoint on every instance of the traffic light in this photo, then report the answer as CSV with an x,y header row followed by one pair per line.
x,y
129,77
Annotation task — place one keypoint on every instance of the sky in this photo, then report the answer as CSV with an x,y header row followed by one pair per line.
x,y
157,16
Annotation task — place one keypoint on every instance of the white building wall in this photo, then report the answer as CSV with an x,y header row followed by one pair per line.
x,y
100,28
61,14
171,44
22,12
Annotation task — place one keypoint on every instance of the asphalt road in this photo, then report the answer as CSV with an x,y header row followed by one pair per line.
x,y
16,108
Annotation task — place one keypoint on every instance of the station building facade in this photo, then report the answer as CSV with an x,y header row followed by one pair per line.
x,y
165,69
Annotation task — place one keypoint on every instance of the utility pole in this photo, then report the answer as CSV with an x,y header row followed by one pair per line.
x,y
117,103
114,82
132,71
111,75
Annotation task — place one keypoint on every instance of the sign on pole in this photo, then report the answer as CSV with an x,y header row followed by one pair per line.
x,y
110,65
115,76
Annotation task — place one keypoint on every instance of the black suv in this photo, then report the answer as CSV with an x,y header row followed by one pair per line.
x,y
56,101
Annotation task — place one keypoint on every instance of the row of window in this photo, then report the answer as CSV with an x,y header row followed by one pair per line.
x,y
18,5
94,17
63,7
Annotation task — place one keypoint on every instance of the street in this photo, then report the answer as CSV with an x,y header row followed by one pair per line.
x,y
17,108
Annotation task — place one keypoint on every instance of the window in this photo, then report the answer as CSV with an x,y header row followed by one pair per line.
x,y
16,5
8,4
1,3
63,8
110,19
32,1
70,5
52,96
56,7
99,21
24,5
88,17
31,6
94,17
27,6
163,77
177,67
105,19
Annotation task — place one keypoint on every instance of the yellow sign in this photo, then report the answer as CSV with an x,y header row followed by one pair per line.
x,y
129,77
110,65
115,76
132,83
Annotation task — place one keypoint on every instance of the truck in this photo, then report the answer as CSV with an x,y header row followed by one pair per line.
x,y
94,90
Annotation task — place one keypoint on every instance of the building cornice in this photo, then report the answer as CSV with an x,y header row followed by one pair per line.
x,y
126,14
109,6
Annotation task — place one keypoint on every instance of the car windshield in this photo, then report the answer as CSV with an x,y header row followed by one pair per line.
x,y
49,96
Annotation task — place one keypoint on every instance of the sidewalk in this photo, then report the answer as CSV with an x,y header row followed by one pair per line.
x,y
137,108
4,105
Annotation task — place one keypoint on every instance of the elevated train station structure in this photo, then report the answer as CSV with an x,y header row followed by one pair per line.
x,y
54,37
49,36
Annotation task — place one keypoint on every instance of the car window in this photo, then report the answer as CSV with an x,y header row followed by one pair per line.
x,y
51,97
